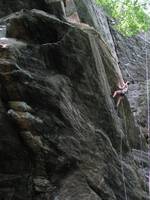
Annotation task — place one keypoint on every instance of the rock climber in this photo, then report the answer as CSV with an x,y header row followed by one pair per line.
x,y
121,92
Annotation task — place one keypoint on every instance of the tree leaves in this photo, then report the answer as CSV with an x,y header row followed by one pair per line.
x,y
129,15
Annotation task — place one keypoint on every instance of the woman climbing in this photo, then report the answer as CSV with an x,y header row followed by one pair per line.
x,y
121,92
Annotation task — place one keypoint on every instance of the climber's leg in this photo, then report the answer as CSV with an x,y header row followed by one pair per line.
x,y
119,100
116,93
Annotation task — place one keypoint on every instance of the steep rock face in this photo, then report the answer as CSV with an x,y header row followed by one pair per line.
x,y
93,15
61,137
134,62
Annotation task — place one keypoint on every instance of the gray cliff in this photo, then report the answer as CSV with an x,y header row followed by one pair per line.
x,y
61,136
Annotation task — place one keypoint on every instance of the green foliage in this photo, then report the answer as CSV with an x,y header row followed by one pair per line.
x,y
130,15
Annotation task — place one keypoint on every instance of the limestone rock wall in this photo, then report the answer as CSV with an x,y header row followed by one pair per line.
x,y
60,134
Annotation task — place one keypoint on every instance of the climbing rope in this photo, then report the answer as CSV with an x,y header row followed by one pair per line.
x,y
148,106
122,169
121,154
121,141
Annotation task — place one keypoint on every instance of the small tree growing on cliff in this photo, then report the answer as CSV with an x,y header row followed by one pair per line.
x,y
130,15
